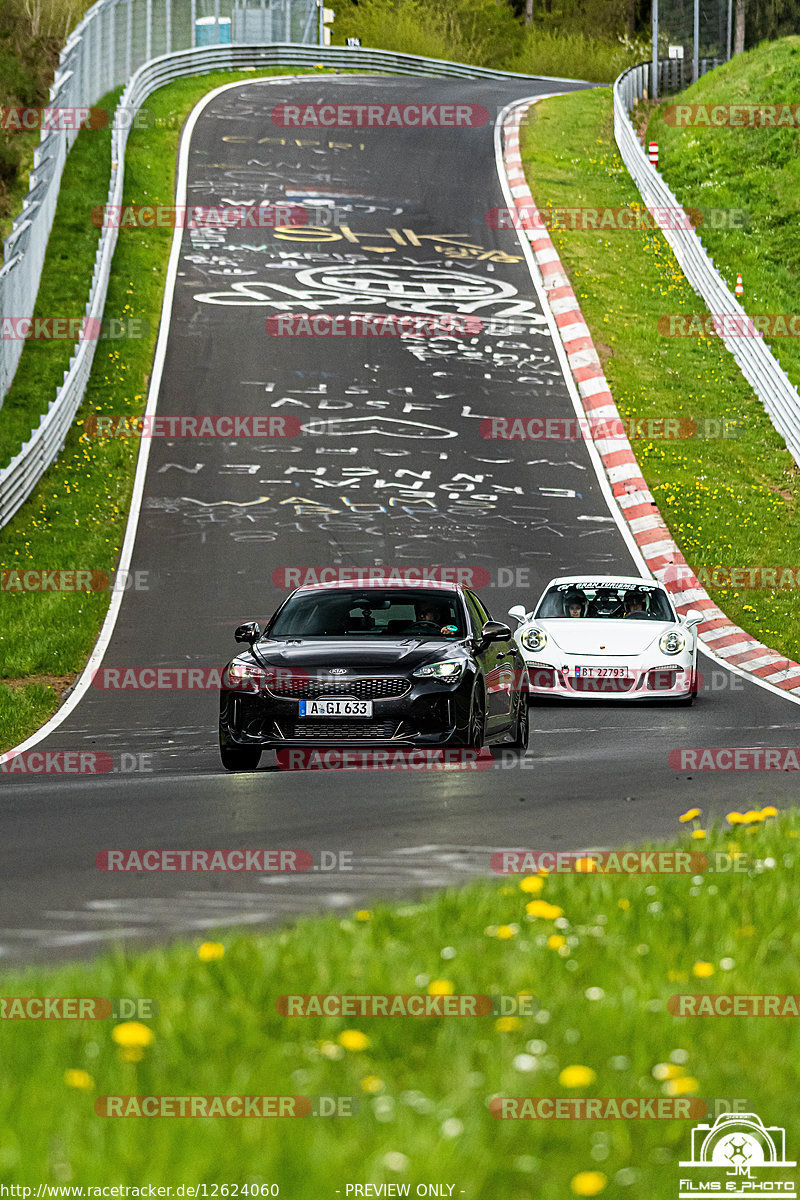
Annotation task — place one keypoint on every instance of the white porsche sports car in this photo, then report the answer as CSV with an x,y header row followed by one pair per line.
x,y
616,637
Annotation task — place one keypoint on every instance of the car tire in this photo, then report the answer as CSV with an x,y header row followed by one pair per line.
x,y
520,741
238,758
476,733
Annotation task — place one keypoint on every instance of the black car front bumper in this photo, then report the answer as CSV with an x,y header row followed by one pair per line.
x,y
427,713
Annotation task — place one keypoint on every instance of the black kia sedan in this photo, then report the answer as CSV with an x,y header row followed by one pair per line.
x,y
376,665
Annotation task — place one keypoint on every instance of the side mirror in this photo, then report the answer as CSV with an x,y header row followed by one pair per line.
x,y
494,631
249,632
519,613
693,617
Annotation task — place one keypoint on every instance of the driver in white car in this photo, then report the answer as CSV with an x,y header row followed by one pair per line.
x,y
574,604
634,605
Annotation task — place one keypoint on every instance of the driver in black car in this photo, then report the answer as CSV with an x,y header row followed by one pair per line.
x,y
427,616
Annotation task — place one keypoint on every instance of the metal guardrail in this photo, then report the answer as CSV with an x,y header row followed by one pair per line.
x,y
755,360
112,41
18,288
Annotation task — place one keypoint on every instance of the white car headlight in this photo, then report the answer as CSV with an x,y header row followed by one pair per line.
x,y
534,639
672,642
448,670
244,677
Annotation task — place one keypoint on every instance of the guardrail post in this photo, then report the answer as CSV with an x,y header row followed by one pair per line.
x,y
148,31
112,46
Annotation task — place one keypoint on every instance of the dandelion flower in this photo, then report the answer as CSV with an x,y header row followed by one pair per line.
x,y
209,951
541,908
353,1039
82,1080
588,1183
577,1076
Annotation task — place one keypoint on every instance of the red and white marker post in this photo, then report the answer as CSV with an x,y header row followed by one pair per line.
x,y
738,291
652,151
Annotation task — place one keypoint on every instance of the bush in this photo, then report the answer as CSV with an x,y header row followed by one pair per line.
x,y
573,56
489,34
483,32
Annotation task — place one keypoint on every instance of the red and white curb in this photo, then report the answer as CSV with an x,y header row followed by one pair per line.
x,y
719,635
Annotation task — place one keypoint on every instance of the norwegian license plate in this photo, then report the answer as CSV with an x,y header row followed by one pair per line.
x,y
335,706
601,672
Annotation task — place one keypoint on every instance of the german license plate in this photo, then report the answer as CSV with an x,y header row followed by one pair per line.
x,y
335,706
601,672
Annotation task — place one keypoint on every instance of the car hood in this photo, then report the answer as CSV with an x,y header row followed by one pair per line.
x,y
604,637
355,656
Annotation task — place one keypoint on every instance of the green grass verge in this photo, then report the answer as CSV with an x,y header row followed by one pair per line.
x,y
756,170
76,516
65,285
726,501
598,979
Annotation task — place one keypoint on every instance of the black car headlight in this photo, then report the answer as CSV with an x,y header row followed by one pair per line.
x,y
448,671
244,677
672,642
534,639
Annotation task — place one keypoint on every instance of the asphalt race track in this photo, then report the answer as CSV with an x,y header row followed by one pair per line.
x,y
391,468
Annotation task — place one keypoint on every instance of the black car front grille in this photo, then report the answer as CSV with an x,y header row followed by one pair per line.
x,y
378,687
346,731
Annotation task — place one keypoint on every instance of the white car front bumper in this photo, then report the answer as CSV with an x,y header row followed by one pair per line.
x,y
625,679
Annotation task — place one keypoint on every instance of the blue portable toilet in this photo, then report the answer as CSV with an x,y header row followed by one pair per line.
x,y
206,31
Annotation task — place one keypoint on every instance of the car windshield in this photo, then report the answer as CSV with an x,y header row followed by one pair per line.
x,y
381,613
618,601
